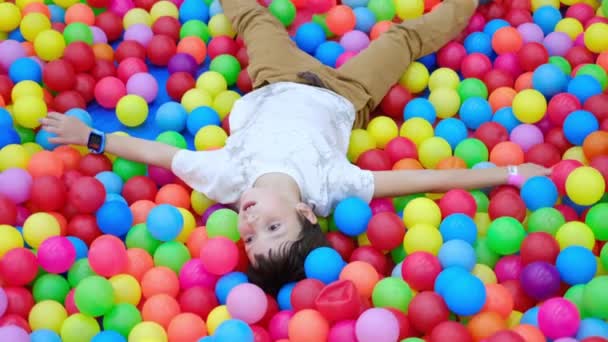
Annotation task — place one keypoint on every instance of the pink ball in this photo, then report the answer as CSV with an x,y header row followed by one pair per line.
x,y
354,41
580,40
476,23
451,55
476,65
526,136
3,302
277,327
22,214
558,317
144,85
13,333
531,33
344,57
508,62
581,12
219,255
10,50
70,303
16,184
108,256
99,36
380,205
121,7
566,339
140,33
56,254
247,302
343,331
160,176
508,268
193,273
367,326
108,91
557,43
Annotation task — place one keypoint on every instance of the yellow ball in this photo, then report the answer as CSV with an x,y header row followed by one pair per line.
x,y
363,240
570,2
3,35
484,273
482,221
383,129
575,233
126,289
189,225
514,318
585,185
32,148
212,82
200,202
32,24
220,25
210,136
145,331
195,98
570,26
78,328
49,45
421,210
536,4
417,130
529,106
39,227
47,314
26,88
360,141
446,102
10,238
422,238
13,156
65,3
224,101
136,16
416,77
132,110
164,8
596,37
216,317
432,151
576,153
600,268
444,78
29,110
11,16
409,9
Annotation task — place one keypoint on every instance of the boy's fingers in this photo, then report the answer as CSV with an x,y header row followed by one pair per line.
x,y
46,121
51,129
54,115
57,140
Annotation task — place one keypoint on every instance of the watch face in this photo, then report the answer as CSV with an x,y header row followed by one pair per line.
x,y
94,141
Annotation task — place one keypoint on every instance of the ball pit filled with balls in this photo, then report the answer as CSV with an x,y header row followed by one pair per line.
x,y
99,248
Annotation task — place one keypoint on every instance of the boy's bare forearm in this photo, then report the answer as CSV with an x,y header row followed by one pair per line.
x,y
141,150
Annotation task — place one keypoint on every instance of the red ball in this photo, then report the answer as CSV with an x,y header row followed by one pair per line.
x,y
304,293
139,188
507,203
581,12
110,23
594,339
222,45
92,164
539,246
426,310
67,100
600,163
458,201
87,194
420,269
505,336
129,48
243,82
560,106
555,136
521,301
497,78
20,301
394,101
16,320
80,55
594,20
59,75
598,105
84,227
271,310
6,86
341,243
70,176
405,328
178,84
198,300
450,331
160,49
242,57
374,160
399,148
102,69
451,56
491,133
167,26
560,173
129,67
579,55
543,154
8,211
98,3
476,65
108,91
568,212
260,334
385,231
85,86
532,55
518,16
145,4
18,267
373,257
48,193
339,301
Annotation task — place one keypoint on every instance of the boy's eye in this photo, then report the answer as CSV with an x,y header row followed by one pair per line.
x,y
248,239
274,227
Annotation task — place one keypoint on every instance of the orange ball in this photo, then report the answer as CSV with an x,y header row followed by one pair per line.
x,y
506,153
486,324
507,39
451,162
28,47
186,327
2,103
340,19
430,4
63,222
379,28
524,81
602,60
36,7
308,325
501,97
596,144
103,51
363,275
173,194
159,280
80,13
196,240
498,300
139,261
160,308
194,46
140,210
530,333
69,156
407,164
45,163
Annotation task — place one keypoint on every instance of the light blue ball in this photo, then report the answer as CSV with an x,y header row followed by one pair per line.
x,y
494,25
284,296
420,108
6,120
484,165
365,19
352,216
81,114
539,192
115,197
44,335
226,283
578,125
108,336
57,13
457,253
201,117
233,330
25,69
451,130
193,10
397,271
466,295
530,317
215,8
506,118
447,277
114,218
82,250
165,222
42,139
547,17
328,53
355,3
111,182
584,86
549,79
592,327
475,111
209,338
171,116
479,42
458,227
576,265
324,264
309,36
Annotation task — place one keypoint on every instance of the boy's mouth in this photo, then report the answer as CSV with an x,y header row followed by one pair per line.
x,y
247,205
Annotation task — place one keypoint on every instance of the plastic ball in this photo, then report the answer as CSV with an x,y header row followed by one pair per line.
x,y
432,151
540,280
132,110
210,136
538,192
385,231
416,78
94,296
578,125
505,235
472,87
595,220
164,222
576,265
109,91
457,253
584,87
114,218
107,256
422,237
148,331
558,317
56,254
529,106
593,40
466,295
586,178
365,328
219,255
352,216
324,264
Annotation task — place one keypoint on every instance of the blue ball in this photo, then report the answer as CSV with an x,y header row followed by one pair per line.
x,y
108,336
576,265
309,36
193,10
6,120
447,277
115,197
475,111
484,165
591,327
539,192
578,125
466,295
226,283
44,335
420,108
165,222
355,3
9,136
324,264
215,8
452,130
82,115
42,139
547,17
457,253
111,181
171,116
584,86
82,250
577,207
328,53
506,118
16,35
458,227
478,42
397,271
429,61
549,80
209,338
57,13
365,19
494,25
233,330
114,218
201,117
530,317
25,69
284,296
352,216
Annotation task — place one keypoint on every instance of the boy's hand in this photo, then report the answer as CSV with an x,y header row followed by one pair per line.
x,y
69,129
529,170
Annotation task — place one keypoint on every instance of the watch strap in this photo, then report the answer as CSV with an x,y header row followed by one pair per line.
x,y
514,178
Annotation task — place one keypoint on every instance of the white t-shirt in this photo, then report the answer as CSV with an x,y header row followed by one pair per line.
x,y
300,130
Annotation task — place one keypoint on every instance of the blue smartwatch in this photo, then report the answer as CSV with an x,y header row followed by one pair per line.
x,y
97,141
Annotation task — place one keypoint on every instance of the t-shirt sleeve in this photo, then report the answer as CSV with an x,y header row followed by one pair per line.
x,y
348,180
203,171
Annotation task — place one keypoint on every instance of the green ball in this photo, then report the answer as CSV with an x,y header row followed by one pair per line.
x,y
547,220
51,287
25,134
320,19
80,270
595,298
139,237
172,138
128,169
78,32
596,72
484,254
284,10
412,339
332,225
79,327
402,201
382,9
472,151
575,295
472,87
398,254
604,256
392,292
195,28
94,296
605,8
228,66
324,224
223,222
172,254
122,318
597,220
505,235
481,199
561,63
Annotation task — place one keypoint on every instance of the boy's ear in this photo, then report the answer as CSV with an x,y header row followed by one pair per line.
x,y
306,211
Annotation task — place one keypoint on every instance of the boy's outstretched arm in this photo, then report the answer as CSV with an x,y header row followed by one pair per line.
x,y
71,130
405,182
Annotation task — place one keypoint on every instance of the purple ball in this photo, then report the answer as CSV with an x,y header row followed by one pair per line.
x,y
99,36
140,33
16,184
160,175
3,302
557,43
10,50
13,333
182,62
343,331
354,41
531,33
526,136
143,84
540,280
210,211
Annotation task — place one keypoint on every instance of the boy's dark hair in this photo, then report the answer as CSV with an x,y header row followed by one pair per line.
x,y
286,263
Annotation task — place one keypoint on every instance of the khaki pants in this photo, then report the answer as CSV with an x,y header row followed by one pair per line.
x,y
364,79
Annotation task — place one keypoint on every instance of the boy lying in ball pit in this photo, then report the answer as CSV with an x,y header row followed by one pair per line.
x,y
284,162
